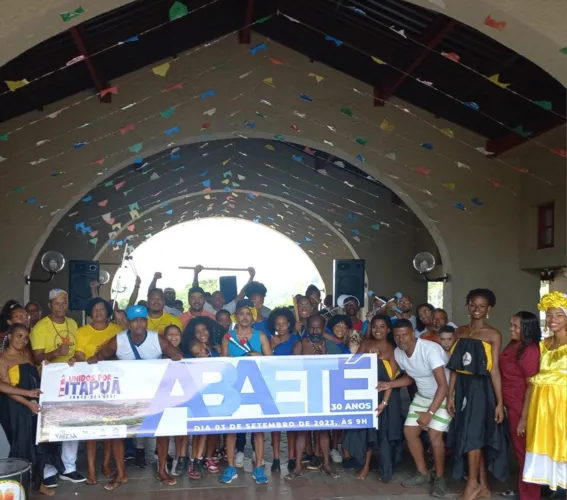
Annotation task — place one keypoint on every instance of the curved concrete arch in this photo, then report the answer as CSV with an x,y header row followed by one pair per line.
x,y
248,134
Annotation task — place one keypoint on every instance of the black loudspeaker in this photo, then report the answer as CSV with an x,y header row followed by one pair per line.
x,y
348,279
228,287
81,273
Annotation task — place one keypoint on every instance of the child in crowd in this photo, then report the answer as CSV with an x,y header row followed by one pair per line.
x,y
447,338
180,465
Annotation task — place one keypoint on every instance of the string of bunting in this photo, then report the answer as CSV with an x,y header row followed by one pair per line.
x,y
180,10
518,129
168,134
489,21
391,156
226,175
128,79
389,127
162,69
383,126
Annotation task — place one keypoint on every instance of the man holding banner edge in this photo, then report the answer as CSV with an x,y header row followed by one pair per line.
x,y
138,343
245,341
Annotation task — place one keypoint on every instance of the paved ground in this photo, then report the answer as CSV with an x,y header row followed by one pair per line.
x,y
315,486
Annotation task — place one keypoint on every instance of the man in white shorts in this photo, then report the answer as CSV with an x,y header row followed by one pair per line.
x,y
424,362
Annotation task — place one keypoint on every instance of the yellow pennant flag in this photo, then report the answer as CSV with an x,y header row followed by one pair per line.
x,y
15,85
495,79
226,181
269,81
270,147
161,70
225,161
378,61
386,126
448,132
317,77
450,186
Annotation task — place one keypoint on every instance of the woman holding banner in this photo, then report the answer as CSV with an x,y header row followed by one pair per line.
x,y
90,338
244,340
281,324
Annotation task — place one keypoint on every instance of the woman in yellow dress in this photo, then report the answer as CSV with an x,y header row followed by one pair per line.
x,y
546,446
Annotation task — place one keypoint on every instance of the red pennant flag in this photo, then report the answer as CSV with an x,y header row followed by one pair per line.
x,y
177,86
119,185
494,183
98,162
421,170
102,203
127,128
276,61
560,152
109,90
493,23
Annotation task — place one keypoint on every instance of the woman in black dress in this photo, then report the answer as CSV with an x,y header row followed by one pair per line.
x,y
387,441
475,400
18,414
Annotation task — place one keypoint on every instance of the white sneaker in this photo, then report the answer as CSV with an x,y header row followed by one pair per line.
x,y
336,457
239,459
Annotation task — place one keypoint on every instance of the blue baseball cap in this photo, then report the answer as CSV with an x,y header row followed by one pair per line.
x,y
134,312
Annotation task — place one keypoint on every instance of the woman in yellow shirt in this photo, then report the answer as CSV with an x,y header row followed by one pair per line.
x,y
90,338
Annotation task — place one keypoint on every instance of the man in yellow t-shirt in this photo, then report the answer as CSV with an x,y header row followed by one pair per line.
x,y
158,319
53,338
91,337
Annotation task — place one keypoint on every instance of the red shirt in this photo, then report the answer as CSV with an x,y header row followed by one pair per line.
x,y
514,373
356,324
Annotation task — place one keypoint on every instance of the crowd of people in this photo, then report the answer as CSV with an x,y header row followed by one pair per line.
x,y
469,397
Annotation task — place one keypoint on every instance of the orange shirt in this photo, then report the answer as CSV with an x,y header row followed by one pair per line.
x,y
430,336
186,317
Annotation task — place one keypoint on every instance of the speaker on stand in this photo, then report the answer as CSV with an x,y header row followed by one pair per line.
x,y
81,273
349,279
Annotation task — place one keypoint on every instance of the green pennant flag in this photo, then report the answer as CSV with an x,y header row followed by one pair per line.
x,y
167,113
520,131
264,19
19,189
362,141
67,16
563,50
347,112
4,137
544,104
178,10
279,137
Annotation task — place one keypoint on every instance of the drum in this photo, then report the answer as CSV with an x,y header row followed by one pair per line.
x,y
15,479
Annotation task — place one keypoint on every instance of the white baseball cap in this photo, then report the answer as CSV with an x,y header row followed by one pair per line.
x,y
343,299
56,292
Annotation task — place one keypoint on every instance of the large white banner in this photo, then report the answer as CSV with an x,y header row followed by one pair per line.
x,y
118,399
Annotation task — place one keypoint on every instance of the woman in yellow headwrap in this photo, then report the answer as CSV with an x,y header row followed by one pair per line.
x,y
546,447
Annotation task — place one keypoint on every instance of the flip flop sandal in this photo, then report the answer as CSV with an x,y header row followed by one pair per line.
x,y
169,481
331,474
113,485
88,482
293,475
